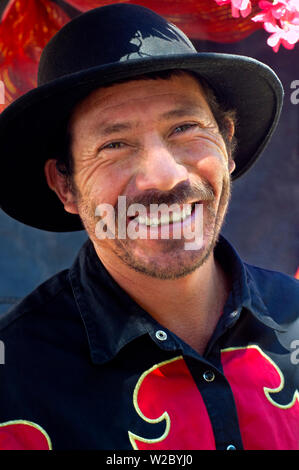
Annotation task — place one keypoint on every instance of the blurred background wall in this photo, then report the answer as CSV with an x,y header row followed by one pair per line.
x,y
263,219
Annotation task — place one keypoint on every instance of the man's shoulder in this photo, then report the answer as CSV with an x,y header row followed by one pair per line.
x,y
50,296
270,279
279,292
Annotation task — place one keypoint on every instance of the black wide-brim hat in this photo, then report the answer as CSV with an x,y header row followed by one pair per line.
x,y
100,47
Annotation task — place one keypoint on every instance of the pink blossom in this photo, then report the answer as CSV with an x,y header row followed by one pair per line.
x,y
282,20
286,37
237,7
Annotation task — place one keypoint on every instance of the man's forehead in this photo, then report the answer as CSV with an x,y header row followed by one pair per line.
x,y
107,128
183,90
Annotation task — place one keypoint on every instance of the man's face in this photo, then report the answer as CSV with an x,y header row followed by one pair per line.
x,y
153,141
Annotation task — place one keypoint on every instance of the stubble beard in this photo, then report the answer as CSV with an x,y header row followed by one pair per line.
x,y
173,261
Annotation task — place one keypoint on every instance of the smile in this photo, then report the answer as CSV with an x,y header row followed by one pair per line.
x,y
159,219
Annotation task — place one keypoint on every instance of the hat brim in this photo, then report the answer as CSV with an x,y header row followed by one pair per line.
x,y
31,128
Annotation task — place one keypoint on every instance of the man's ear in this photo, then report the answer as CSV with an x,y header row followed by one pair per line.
x,y
60,185
230,134
231,165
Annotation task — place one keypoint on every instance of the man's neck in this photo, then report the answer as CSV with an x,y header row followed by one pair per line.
x,y
189,306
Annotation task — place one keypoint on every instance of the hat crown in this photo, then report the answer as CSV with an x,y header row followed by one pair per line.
x,y
110,34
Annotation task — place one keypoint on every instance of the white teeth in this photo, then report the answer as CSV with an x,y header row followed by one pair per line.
x,y
178,217
188,209
165,219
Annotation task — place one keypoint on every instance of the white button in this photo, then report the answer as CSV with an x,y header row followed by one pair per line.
x,y
161,335
209,376
231,447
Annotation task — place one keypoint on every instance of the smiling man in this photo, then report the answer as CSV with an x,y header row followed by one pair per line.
x,y
156,139
159,336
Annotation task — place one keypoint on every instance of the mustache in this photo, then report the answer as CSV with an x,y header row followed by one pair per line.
x,y
182,193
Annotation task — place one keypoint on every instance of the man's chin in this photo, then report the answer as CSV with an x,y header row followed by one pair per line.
x,y
171,261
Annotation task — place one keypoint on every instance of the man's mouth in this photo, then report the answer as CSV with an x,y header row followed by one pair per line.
x,y
161,218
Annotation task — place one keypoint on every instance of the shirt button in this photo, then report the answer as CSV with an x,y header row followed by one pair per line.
x,y
209,376
161,335
231,447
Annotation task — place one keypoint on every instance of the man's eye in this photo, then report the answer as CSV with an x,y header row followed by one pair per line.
x,y
183,128
114,145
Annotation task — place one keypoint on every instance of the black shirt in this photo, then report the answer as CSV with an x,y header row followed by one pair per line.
x,y
87,368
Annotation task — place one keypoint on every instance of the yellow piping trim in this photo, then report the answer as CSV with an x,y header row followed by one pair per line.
x,y
29,423
268,390
133,437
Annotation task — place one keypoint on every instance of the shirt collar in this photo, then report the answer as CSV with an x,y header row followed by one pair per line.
x,y
112,318
245,292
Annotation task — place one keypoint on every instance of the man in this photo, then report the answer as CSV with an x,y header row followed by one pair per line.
x,y
148,341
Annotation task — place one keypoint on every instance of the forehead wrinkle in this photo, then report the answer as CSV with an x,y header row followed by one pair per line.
x,y
105,129
184,111
183,106
104,96
115,128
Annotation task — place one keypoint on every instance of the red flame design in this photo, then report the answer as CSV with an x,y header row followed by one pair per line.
x,y
23,435
167,392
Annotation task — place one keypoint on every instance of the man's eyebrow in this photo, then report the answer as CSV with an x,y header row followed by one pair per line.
x,y
182,112
114,128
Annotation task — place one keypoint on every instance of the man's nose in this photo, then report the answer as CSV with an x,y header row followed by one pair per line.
x,y
159,169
